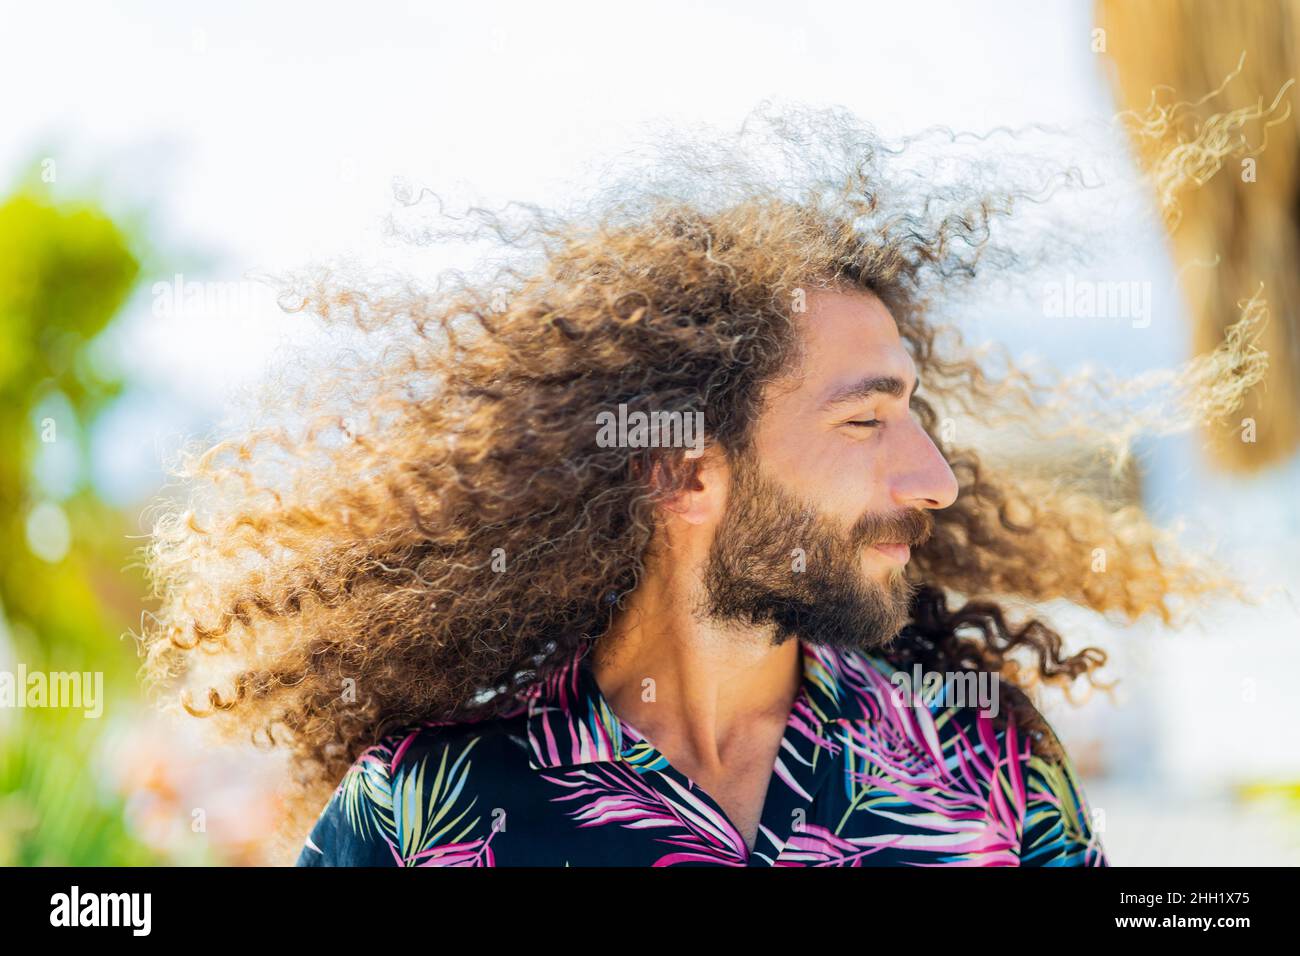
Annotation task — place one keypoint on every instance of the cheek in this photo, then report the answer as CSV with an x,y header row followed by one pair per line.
x,y
840,477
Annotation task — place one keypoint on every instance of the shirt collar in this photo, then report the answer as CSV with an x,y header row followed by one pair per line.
x,y
570,723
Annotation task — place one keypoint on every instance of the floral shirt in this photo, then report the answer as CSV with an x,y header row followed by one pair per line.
x,y
865,776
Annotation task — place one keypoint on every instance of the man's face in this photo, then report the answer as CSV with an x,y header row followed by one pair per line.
x,y
840,481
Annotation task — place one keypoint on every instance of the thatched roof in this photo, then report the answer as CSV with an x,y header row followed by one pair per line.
x,y
1233,225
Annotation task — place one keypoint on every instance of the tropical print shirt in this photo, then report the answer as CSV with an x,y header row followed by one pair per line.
x,y
865,776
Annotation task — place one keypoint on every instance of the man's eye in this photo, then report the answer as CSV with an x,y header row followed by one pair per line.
x,y
866,423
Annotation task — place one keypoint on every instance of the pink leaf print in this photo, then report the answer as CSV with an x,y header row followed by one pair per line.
x,y
971,809
615,794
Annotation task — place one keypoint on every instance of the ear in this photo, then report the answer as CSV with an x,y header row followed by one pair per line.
x,y
692,489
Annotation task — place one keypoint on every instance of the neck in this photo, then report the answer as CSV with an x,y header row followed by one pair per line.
x,y
712,684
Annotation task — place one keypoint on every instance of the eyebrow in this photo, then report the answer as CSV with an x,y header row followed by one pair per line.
x,y
871,385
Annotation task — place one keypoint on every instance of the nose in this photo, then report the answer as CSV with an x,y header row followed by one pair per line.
x,y
923,478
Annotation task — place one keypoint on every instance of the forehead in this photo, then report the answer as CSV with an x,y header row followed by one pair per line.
x,y
846,335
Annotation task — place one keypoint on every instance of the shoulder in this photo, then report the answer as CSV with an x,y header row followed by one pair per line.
x,y
914,714
876,688
449,745
956,723
381,812
1060,827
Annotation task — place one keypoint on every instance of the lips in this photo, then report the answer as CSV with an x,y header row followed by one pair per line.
x,y
895,552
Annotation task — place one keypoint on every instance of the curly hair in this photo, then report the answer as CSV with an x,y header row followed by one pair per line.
x,y
438,528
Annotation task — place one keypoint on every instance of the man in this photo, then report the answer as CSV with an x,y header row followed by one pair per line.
x,y
770,738
496,630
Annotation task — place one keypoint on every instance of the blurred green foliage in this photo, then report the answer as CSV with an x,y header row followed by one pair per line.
x,y
65,271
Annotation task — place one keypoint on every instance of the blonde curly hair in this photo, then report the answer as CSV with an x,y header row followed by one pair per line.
x,y
331,579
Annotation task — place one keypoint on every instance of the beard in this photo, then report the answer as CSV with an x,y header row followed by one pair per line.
x,y
778,562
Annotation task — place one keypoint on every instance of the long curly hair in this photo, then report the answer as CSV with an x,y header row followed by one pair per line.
x,y
430,526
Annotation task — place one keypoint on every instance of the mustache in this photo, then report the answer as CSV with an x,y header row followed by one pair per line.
x,y
912,527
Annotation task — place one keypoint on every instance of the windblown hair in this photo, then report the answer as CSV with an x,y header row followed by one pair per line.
x,y
440,528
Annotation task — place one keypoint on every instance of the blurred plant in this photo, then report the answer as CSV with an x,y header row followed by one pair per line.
x,y
65,271
1284,794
